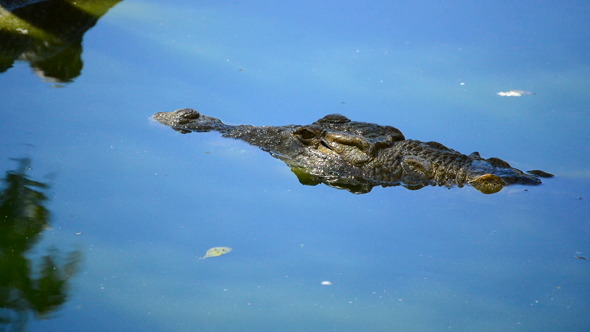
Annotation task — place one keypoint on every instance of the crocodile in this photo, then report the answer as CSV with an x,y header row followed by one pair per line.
x,y
358,156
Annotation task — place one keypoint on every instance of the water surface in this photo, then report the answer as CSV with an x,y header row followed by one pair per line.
x,y
132,204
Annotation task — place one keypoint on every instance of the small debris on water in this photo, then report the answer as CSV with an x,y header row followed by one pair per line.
x,y
216,251
326,283
515,93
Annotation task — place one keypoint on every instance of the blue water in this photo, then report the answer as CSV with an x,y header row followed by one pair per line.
x,y
141,202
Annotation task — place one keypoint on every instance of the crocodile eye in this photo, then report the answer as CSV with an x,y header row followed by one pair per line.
x,y
305,133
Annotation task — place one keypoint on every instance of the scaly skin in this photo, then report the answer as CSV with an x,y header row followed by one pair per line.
x,y
358,156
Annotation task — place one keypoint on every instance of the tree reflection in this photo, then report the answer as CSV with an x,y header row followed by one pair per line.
x,y
28,285
48,34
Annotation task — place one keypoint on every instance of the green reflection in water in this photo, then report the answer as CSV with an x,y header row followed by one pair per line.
x,y
28,285
48,34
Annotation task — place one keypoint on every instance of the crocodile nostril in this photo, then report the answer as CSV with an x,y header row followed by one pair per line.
x,y
189,113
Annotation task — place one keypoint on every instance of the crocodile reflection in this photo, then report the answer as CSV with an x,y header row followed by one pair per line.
x,y
358,156
37,285
48,34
